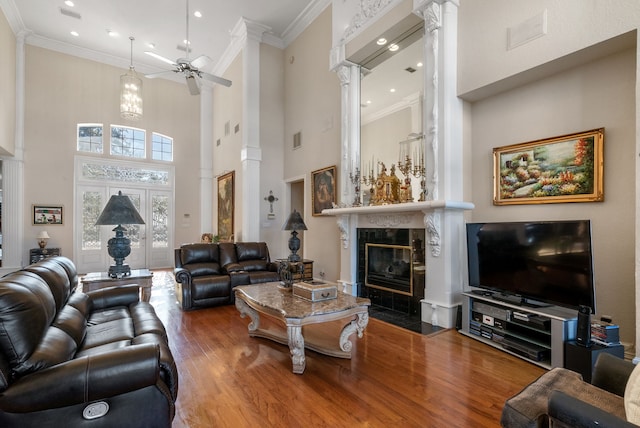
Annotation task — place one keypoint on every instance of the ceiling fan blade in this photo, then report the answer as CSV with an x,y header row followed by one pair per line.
x,y
201,61
193,84
161,58
216,79
159,74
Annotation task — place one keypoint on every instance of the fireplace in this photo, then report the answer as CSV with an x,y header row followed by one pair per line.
x,y
391,270
388,267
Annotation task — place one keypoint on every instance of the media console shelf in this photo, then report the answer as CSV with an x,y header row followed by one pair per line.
x,y
536,334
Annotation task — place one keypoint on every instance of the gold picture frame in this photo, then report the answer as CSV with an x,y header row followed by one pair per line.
x,y
226,205
568,168
323,189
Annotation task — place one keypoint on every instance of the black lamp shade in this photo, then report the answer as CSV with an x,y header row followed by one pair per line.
x,y
118,211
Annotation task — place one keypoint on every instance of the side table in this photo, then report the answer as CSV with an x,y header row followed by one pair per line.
x,y
581,359
37,254
97,280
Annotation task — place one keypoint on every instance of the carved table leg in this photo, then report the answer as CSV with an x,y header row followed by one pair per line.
x,y
296,346
244,310
357,325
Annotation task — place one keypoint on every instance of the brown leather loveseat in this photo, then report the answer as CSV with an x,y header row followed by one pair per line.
x,y
207,273
73,359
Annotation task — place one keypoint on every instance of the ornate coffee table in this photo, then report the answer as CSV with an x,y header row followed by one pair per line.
x,y
303,320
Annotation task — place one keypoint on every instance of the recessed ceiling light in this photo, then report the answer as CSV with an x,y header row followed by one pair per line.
x,y
69,3
392,90
419,64
381,41
368,101
151,45
75,33
197,14
112,33
186,42
393,47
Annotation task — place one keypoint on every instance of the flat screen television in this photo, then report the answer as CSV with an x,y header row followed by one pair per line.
x,y
536,263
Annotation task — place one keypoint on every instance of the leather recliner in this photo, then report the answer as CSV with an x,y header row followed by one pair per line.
x,y
207,273
67,358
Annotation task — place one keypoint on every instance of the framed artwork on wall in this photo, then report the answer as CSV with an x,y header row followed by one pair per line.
x,y
47,214
569,168
226,205
323,189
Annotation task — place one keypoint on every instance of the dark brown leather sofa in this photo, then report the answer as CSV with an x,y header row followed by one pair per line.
x,y
70,359
206,273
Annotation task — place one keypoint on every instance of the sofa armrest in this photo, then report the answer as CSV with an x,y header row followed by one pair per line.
x,y
570,411
611,373
85,379
182,275
121,295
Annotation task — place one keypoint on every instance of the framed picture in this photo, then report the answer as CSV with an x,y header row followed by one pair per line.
x,y
47,214
323,189
569,168
226,206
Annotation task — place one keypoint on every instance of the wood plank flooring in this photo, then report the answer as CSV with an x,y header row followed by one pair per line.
x,y
396,378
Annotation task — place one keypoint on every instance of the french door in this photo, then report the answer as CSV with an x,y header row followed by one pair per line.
x,y
151,243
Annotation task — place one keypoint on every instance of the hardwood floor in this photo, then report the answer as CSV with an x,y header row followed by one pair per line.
x,y
396,378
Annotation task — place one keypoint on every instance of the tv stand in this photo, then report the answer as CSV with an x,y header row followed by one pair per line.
x,y
536,334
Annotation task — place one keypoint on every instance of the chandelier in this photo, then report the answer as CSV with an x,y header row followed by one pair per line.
x,y
131,92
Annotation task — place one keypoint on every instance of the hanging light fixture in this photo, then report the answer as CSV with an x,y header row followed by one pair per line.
x,y
131,92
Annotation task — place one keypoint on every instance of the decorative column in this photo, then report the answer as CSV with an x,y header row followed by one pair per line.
x,y
251,154
13,176
349,75
443,151
206,159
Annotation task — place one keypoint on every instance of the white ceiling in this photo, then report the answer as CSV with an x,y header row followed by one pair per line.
x,y
162,22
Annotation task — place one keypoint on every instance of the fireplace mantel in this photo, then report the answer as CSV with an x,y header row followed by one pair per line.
x,y
427,206
398,215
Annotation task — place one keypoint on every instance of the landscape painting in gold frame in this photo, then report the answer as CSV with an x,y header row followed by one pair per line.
x,y
569,168
226,206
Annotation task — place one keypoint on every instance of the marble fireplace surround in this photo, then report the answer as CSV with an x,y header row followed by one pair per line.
x,y
443,222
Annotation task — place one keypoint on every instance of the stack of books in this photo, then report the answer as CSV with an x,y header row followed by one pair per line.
x,y
605,334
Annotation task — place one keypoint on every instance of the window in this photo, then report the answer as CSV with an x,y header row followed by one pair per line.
x,y
127,142
90,137
161,147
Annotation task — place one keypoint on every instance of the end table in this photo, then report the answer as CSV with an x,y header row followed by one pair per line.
x,y
97,280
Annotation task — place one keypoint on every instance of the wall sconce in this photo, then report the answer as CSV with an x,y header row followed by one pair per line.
x,y
42,238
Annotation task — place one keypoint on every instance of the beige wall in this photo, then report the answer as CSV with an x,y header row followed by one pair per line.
x,y
572,25
597,94
7,88
63,91
312,107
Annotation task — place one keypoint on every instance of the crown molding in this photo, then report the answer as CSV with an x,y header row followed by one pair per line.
x,y
14,19
302,21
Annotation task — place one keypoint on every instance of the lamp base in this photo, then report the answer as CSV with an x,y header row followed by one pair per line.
x,y
118,271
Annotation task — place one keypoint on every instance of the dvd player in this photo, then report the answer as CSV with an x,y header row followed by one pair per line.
x,y
526,349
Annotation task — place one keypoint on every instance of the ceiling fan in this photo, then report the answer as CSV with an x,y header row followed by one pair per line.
x,y
191,69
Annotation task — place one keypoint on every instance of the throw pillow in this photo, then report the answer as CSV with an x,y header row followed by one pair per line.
x,y
632,396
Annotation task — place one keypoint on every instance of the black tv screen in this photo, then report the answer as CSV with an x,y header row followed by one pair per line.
x,y
546,261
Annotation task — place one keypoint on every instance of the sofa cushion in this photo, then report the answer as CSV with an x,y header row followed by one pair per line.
x,y
251,251
56,347
205,287
199,253
72,322
27,309
56,278
253,265
199,269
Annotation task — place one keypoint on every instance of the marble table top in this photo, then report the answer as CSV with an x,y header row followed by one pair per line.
x,y
275,297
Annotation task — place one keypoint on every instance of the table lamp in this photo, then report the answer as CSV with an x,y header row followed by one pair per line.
x,y
42,238
294,223
118,211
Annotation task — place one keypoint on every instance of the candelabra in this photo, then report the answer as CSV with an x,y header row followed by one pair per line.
x,y
369,181
406,194
419,172
355,180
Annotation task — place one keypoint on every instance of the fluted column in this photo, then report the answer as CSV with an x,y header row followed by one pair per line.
x,y
206,160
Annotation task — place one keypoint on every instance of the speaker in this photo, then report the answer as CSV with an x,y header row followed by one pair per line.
x,y
583,335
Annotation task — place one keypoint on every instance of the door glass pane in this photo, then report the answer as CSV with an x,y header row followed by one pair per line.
x,y
160,223
92,206
133,230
